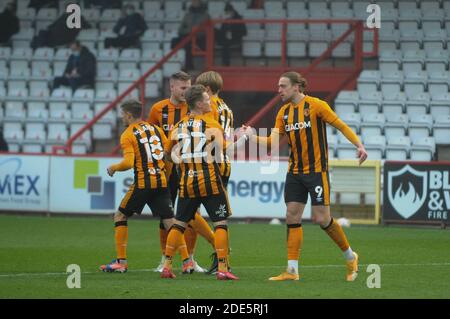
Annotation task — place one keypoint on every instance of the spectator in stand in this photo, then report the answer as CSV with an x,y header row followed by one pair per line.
x,y
129,29
257,4
58,33
230,34
9,23
3,144
80,69
103,4
38,4
196,15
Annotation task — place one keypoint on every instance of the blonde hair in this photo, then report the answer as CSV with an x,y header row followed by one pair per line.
x,y
296,78
212,79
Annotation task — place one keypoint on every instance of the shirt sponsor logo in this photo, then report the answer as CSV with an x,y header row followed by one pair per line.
x,y
297,126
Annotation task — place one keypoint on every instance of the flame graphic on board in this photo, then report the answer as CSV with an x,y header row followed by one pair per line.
x,y
408,202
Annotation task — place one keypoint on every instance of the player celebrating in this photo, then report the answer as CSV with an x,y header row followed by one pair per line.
x,y
166,114
143,149
200,140
220,112
303,119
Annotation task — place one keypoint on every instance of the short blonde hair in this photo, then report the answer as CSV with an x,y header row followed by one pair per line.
x,y
212,79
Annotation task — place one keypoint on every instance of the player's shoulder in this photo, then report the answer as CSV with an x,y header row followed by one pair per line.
x,y
160,104
315,101
211,122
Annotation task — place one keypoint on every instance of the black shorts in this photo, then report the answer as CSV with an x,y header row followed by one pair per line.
x,y
174,184
217,207
225,180
157,199
297,187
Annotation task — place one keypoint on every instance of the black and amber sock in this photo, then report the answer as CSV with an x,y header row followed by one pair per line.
x,y
162,238
121,239
336,233
221,244
294,241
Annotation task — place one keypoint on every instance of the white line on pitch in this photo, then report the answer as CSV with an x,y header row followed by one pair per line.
x,y
236,267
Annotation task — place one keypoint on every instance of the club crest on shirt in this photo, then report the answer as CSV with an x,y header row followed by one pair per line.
x,y
306,112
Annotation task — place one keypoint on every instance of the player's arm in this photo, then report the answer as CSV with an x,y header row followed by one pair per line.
x,y
328,115
128,157
274,136
153,117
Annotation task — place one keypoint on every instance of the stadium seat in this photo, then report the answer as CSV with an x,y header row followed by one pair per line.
x,y
57,133
418,104
345,149
37,112
58,112
22,39
296,49
370,103
413,61
82,144
368,81
390,60
14,111
105,96
397,148
423,149
39,94
83,95
43,54
14,135
251,49
81,113
395,125
152,55
415,82
61,95
375,145
35,136
17,94
420,125
372,124
107,75
439,105
441,129
348,97
272,49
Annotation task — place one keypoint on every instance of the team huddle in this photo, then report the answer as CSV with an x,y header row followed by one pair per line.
x,y
182,154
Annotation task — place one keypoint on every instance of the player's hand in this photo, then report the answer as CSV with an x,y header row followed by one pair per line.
x,y
361,153
110,171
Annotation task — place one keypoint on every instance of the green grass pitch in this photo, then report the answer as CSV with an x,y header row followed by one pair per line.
x,y
35,251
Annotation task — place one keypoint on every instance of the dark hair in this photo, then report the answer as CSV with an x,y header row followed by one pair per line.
x,y
77,43
211,79
181,76
194,94
134,107
296,78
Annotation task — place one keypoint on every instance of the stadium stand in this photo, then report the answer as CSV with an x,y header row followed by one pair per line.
x,y
401,109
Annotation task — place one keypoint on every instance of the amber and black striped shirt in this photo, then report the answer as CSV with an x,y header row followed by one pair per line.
x,y
305,126
195,137
165,114
145,143
224,115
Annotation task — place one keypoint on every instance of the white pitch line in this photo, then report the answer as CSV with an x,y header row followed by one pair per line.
x,y
236,267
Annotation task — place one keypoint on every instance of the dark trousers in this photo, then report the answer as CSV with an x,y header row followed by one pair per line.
x,y
122,42
200,42
74,83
